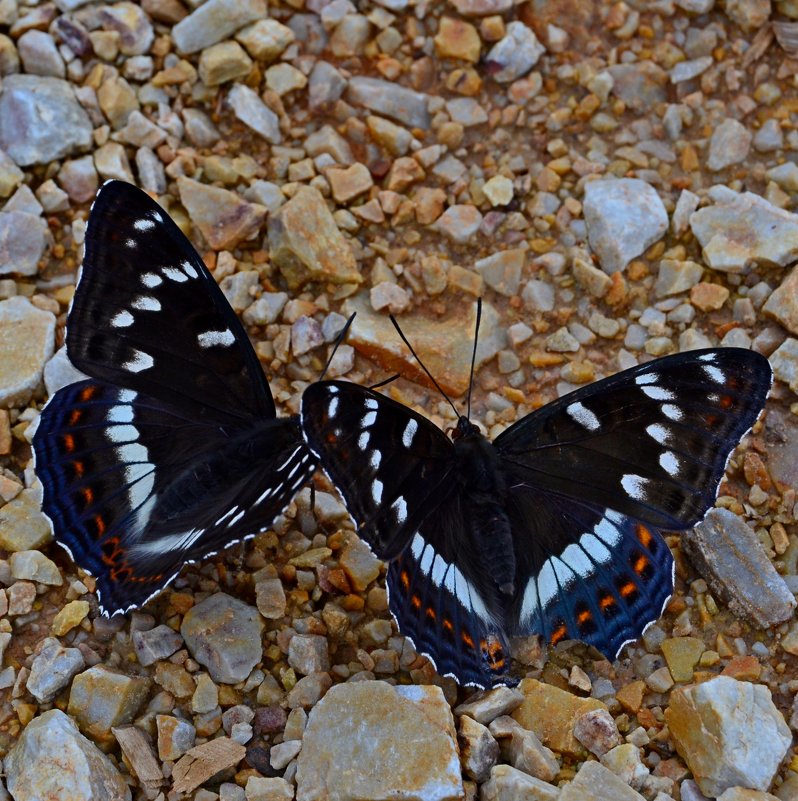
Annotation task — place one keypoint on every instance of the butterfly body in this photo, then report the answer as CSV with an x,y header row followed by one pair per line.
x,y
553,528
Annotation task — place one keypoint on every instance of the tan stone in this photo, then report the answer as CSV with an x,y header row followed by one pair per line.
x,y
223,62
265,39
630,697
594,782
782,305
404,172
117,100
70,616
458,39
682,655
347,183
429,204
551,713
708,297
22,524
509,784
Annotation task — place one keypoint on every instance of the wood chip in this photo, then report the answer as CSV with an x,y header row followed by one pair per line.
x,y
203,761
140,755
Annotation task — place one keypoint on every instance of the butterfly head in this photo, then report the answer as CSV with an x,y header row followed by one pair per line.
x,y
464,428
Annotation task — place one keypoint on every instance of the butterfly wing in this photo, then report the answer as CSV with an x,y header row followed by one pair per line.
x,y
149,316
135,487
593,476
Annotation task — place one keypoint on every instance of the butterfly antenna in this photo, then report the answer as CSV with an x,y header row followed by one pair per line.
x,y
384,381
429,374
474,357
338,340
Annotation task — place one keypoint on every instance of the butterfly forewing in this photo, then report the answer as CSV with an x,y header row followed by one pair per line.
x,y
390,464
651,442
148,315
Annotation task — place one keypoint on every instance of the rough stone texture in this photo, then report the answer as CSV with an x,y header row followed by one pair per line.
x,y
485,706
502,271
594,782
22,524
53,760
223,218
101,698
782,305
741,230
214,21
729,145
597,731
52,669
516,53
784,361
390,99
175,736
479,752
404,734
308,653
729,733
729,555
640,84
623,218
155,644
59,371
30,107
550,713
27,338
509,784
252,111
306,245
441,346
223,634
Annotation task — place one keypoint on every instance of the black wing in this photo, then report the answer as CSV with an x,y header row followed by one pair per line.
x,y
148,315
594,475
135,487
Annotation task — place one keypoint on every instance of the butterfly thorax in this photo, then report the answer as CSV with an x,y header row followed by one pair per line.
x,y
485,491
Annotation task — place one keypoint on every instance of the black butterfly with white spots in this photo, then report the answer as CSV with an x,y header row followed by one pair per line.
x,y
172,449
554,527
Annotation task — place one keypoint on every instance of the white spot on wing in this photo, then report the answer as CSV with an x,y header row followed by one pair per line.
x,y
577,560
190,270
439,569
672,412
122,319
332,407
658,433
596,548
376,491
210,339
131,243
368,420
714,374
646,378
139,361
669,462
607,531
400,509
634,486
144,224
371,404
146,303
658,393
375,457
173,274
236,518
709,358
417,545
151,280
583,416
363,440
409,433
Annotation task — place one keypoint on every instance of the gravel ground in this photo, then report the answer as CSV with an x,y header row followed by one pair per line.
x,y
617,180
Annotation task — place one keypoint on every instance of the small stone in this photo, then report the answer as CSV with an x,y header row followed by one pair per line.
x,y
307,653
623,217
750,15
35,566
201,762
562,341
266,39
118,100
708,297
223,634
27,105
728,554
729,145
214,21
595,281
155,644
305,243
487,705
175,679
640,84
479,752
175,737
782,305
206,696
23,241
79,179
308,690
305,335
686,204
80,772
539,295
405,733
360,564
387,295
458,39
498,190
21,595
729,733
223,218
282,753
509,784
682,655
112,163
223,62
270,598
268,789
624,761
253,112
27,337
238,288
72,615
40,55
52,198
594,782
597,731
460,223
516,53
677,276
132,24
139,755
347,184
101,699
528,754
22,524
390,99
53,669
200,130
502,271
784,361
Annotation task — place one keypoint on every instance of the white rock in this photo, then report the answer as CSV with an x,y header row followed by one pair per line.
x,y
516,53
252,111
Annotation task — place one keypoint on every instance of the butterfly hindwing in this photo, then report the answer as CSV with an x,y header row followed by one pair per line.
x,y
651,442
148,315
135,489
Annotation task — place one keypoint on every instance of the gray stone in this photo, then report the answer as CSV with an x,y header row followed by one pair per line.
x,y
729,144
325,86
744,229
155,644
35,566
25,201
175,737
460,223
538,295
79,179
687,70
22,524
140,131
782,305
253,112
59,372
594,782
52,759
623,218
728,554
23,240
479,751
224,635
266,309
516,53
39,54
282,753
391,296
769,137
328,140
502,271
597,731
53,199
151,172
27,337
390,99
238,288
53,669
132,24
305,335
487,705
41,120
676,276
268,789
214,21
510,784
686,204
784,361
266,193
641,84
307,653
199,127
528,754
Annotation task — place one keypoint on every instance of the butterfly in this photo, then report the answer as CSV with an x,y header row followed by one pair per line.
x,y
554,528
171,449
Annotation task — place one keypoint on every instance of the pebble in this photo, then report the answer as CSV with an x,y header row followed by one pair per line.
x,y
528,754
175,737
509,784
350,182
515,53
27,337
729,144
682,655
487,705
53,669
260,788
10,175
623,217
306,245
457,39
538,295
223,218
21,595
156,644
594,782
270,598
784,361
394,101
25,238
112,162
308,653
253,112
81,772
481,8
729,733
101,699
675,277
305,335
135,30
214,21
78,178
708,297
35,566
459,223
740,230
728,554
238,288
624,761
39,54
502,271
390,296
73,614
479,751
406,734
27,104
551,713
597,731
223,634
782,305
23,526
309,690
641,84
265,39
